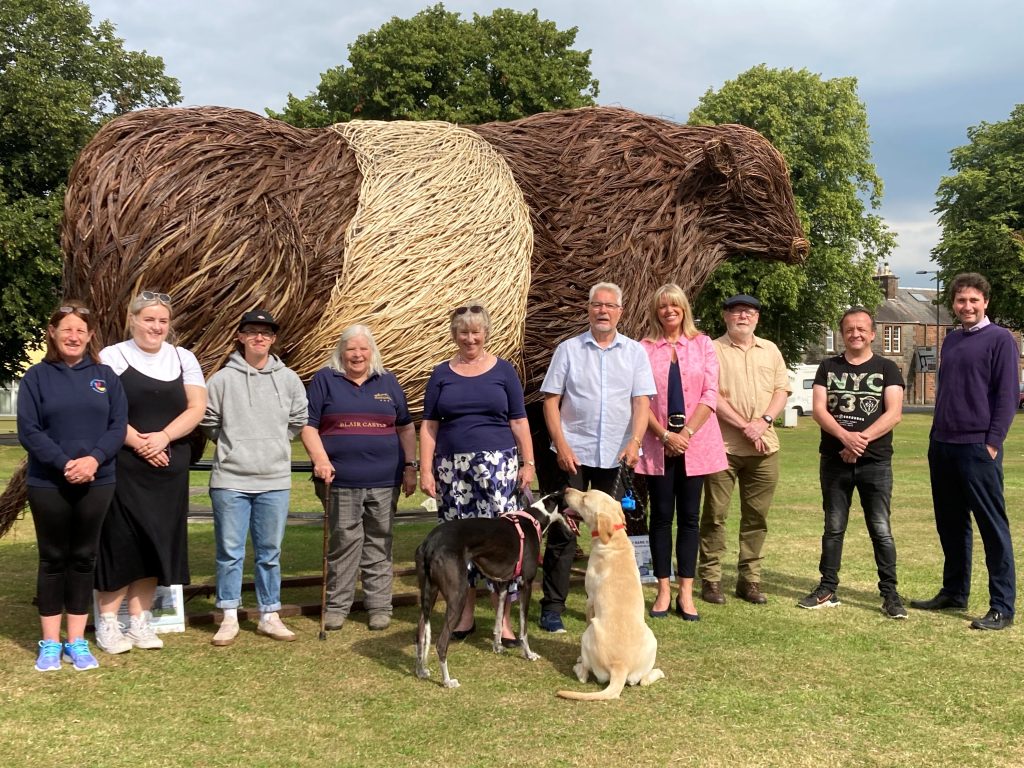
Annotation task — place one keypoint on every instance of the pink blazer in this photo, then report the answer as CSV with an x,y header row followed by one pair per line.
x,y
698,367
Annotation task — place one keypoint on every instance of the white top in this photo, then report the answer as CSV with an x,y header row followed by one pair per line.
x,y
597,388
164,365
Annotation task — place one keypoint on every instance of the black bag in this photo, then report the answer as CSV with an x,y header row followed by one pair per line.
x,y
634,500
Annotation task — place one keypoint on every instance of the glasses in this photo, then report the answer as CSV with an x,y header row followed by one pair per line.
x,y
66,310
254,334
604,305
163,298
476,309
742,311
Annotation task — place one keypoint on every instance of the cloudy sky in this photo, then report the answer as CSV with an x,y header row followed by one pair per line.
x,y
927,69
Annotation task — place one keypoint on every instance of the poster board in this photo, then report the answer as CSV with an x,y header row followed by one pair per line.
x,y
168,614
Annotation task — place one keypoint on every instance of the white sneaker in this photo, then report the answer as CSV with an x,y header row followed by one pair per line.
x,y
227,632
271,626
141,634
110,634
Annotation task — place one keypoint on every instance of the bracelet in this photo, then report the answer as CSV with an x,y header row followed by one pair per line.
x,y
530,463
664,437
639,442
689,431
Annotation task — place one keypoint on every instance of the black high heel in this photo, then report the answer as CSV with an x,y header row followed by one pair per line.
x,y
685,616
462,634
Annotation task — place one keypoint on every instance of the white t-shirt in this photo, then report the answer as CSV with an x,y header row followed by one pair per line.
x,y
164,365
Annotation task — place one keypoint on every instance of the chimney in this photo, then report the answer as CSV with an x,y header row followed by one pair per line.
x,y
889,282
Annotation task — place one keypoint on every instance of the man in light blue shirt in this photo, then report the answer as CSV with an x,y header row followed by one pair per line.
x,y
596,400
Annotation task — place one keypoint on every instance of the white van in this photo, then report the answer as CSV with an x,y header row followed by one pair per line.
x,y
801,382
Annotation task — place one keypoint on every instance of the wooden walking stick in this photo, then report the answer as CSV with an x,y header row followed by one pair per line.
x,y
323,492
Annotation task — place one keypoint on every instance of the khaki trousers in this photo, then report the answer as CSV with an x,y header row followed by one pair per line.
x,y
757,476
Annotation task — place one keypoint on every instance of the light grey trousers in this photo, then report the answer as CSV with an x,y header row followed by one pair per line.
x,y
361,522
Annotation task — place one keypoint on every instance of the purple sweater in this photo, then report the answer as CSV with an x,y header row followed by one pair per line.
x,y
978,387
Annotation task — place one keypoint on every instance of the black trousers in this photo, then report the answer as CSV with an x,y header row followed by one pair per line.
x,y
68,521
675,494
561,547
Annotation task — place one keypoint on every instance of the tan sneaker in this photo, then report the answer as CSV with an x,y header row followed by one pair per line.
x,y
141,634
227,633
271,626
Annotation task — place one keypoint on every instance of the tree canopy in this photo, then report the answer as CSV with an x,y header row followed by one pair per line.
x,y
438,66
981,211
820,126
60,79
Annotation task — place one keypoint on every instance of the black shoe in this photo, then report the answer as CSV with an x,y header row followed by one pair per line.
x,y
892,606
683,614
940,602
511,642
992,620
462,634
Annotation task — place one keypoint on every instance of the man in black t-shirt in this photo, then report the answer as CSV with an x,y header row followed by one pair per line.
x,y
857,400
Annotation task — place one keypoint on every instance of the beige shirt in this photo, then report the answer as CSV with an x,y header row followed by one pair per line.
x,y
747,379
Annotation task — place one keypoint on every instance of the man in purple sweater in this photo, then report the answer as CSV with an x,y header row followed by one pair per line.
x,y
974,407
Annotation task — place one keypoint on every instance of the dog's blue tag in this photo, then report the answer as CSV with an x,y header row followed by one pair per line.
x,y
628,502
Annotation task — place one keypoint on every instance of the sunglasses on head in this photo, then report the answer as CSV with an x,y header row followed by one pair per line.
x,y
66,310
163,298
476,309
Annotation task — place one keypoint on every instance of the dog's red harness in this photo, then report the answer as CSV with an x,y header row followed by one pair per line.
x,y
619,527
513,517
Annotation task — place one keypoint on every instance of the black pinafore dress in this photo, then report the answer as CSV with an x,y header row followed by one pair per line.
x,y
144,534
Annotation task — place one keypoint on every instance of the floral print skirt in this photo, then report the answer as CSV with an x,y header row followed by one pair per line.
x,y
481,484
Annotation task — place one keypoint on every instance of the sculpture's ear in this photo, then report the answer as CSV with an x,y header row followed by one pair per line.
x,y
714,164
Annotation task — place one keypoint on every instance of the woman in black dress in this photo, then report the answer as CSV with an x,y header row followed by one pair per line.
x,y
144,542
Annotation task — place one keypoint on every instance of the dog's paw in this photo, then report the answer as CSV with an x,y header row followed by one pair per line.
x,y
451,683
652,677
423,673
582,673
497,647
531,656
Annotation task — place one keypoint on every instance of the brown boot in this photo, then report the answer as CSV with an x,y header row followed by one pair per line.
x,y
711,592
751,592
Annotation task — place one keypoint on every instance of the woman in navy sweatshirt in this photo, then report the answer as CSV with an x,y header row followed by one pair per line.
x,y
72,419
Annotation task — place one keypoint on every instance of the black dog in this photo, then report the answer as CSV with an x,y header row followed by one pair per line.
x,y
502,549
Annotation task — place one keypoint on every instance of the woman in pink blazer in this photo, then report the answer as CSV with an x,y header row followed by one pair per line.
x,y
682,443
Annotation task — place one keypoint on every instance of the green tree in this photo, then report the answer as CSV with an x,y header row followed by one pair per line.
x,y
820,126
60,79
437,66
981,211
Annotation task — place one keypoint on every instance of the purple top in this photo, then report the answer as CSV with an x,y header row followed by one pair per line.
x,y
357,427
978,387
474,411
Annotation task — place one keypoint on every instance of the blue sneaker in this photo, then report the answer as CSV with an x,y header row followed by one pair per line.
x,y
49,656
551,622
79,655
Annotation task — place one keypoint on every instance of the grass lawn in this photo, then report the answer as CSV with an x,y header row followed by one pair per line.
x,y
747,685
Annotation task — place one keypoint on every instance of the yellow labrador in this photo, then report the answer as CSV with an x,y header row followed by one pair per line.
x,y
617,645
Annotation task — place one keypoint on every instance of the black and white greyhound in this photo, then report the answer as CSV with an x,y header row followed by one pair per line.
x,y
503,549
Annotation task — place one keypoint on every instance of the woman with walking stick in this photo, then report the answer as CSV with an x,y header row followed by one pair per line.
x,y
362,442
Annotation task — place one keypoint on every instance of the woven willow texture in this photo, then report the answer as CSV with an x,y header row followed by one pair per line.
x,y
639,201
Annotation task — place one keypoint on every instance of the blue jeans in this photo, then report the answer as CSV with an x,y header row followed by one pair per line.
x,y
873,482
263,514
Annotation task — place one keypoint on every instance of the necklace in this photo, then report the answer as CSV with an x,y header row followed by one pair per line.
x,y
466,361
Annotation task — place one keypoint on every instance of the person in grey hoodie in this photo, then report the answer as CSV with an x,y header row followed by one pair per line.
x,y
255,406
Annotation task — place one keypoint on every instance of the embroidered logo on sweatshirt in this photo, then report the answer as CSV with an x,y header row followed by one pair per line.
x,y
99,385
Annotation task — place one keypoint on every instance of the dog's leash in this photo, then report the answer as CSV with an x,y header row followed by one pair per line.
x,y
635,518
525,500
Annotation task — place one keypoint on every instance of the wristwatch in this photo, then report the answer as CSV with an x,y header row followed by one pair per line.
x,y
768,419
413,464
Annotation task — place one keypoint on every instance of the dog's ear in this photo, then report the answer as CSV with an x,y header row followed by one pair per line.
x,y
605,527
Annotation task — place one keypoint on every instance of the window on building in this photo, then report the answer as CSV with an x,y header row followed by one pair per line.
x,y
891,339
830,340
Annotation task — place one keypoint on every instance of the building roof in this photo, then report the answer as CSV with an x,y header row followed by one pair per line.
x,y
912,305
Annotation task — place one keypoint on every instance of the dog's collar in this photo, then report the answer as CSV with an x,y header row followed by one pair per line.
x,y
619,527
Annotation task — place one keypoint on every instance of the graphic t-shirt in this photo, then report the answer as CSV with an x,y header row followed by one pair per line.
x,y
856,398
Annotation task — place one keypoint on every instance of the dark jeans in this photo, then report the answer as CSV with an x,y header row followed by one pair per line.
x,y
675,493
873,482
966,479
561,547
68,521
